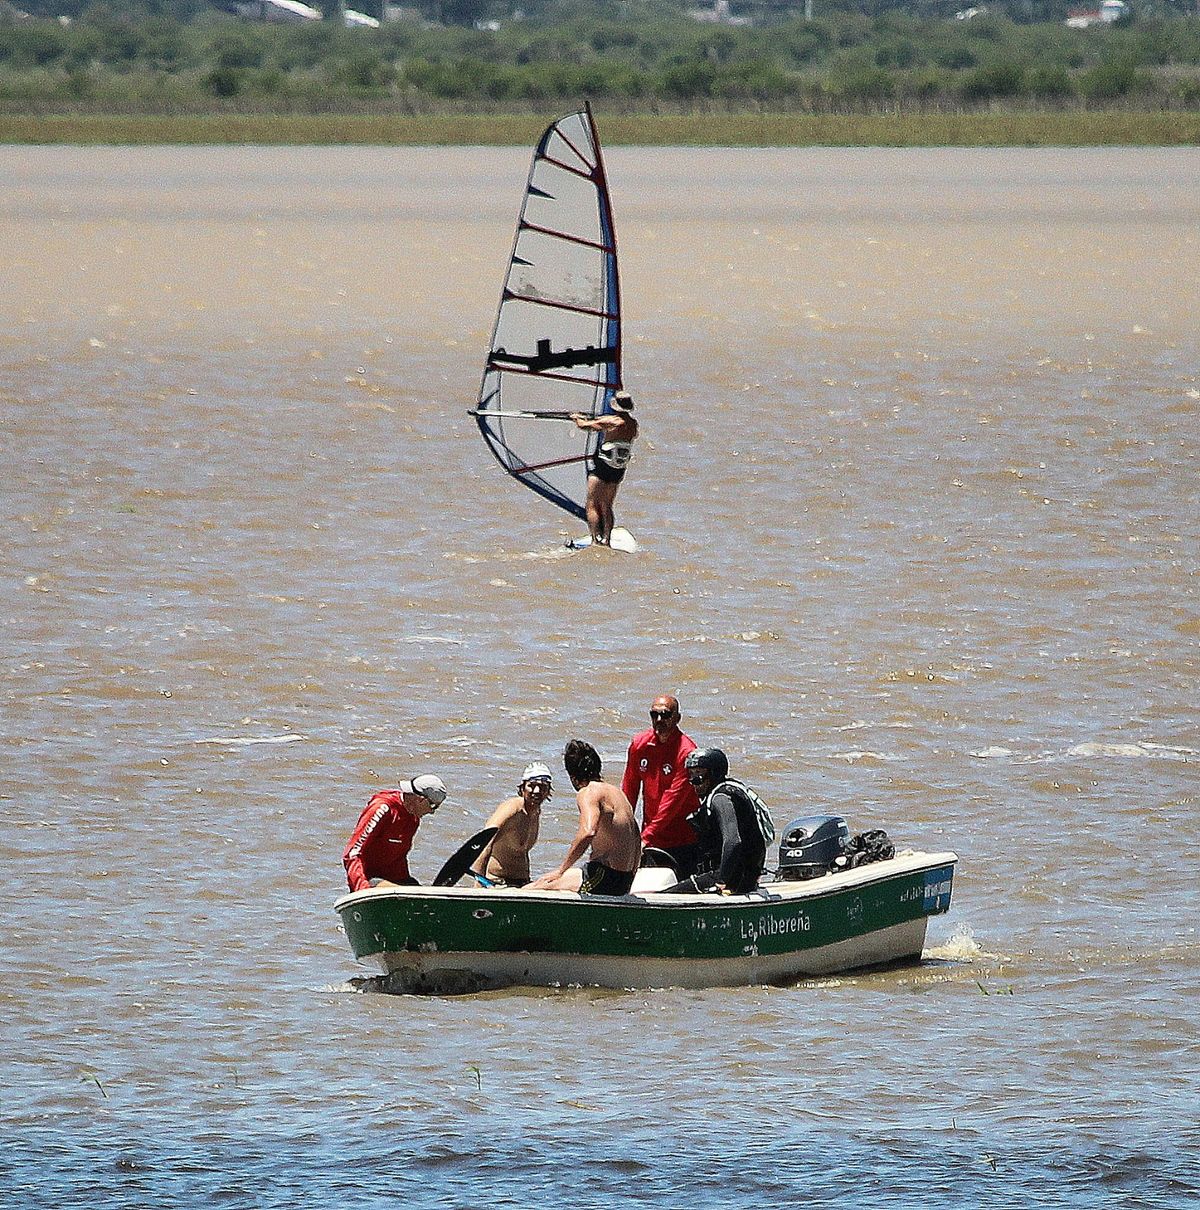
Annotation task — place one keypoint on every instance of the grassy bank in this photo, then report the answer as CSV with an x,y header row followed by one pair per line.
x,y
897,129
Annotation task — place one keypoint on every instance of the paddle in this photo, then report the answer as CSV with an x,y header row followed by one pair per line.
x,y
461,860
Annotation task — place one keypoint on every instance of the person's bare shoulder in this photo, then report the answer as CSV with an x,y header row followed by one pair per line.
x,y
612,797
505,811
619,795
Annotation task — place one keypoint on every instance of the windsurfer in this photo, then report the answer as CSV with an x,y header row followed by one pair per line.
x,y
505,861
377,851
618,430
607,828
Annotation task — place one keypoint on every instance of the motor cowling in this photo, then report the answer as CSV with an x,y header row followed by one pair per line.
x,y
810,846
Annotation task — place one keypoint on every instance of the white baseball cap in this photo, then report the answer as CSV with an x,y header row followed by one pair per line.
x,y
536,772
429,787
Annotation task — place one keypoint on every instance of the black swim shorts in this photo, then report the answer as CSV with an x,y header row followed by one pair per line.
x,y
599,879
606,473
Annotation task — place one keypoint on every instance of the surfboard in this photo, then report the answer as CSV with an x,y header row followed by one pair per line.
x,y
460,861
619,539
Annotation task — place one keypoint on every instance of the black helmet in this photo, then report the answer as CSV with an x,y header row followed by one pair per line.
x,y
713,761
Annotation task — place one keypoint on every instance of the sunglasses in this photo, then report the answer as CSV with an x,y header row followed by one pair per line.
x,y
662,713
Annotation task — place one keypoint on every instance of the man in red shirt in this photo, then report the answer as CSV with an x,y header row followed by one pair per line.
x,y
655,767
377,852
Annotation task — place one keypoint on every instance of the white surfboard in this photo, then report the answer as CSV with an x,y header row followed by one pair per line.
x,y
619,539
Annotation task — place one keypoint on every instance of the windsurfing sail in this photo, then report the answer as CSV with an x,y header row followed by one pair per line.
x,y
556,345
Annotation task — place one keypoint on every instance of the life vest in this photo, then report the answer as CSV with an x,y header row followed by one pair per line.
x,y
761,814
615,454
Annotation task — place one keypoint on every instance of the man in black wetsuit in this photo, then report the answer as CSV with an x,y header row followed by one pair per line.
x,y
733,848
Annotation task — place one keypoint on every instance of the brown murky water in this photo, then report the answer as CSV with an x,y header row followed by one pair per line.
x,y
917,496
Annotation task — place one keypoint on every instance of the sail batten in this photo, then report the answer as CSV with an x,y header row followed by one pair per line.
x,y
551,302
571,239
556,343
578,172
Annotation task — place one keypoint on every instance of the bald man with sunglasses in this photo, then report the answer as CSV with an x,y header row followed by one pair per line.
x,y
655,770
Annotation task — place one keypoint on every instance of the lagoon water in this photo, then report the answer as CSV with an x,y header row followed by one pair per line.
x,y
917,496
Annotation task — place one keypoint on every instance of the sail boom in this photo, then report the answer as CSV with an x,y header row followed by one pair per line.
x,y
559,416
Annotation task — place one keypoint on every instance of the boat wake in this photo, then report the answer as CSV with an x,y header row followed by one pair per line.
x,y
960,946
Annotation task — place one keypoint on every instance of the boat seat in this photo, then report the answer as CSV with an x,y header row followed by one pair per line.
x,y
650,879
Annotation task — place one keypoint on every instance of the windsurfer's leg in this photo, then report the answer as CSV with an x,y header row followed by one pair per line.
x,y
592,508
605,496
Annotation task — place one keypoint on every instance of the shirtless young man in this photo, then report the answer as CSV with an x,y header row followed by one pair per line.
x,y
505,861
617,430
606,826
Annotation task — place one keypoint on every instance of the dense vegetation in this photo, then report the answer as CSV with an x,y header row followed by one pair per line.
x,y
185,56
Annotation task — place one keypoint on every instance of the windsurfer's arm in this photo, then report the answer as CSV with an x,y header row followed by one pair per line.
x,y
600,424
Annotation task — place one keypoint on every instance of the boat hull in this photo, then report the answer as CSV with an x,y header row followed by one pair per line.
x,y
465,939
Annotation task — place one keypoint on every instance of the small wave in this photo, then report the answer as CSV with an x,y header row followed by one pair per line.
x,y
245,741
354,986
1148,750
992,753
432,638
853,758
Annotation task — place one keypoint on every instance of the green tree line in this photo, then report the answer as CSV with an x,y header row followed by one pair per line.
x,y
181,55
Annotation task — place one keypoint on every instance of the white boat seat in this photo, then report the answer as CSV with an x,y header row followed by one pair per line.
x,y
650,879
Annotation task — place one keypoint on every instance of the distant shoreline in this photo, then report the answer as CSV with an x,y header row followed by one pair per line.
x,y
1053,128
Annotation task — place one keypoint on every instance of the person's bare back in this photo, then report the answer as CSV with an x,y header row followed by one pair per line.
x,y
607,828
617,839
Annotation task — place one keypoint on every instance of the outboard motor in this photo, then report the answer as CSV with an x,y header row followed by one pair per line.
x,y
810,846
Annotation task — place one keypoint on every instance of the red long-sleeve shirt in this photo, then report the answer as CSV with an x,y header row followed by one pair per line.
x,y
379,845
656,769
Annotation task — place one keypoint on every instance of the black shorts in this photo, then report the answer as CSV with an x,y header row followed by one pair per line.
x,y
606,473
599,879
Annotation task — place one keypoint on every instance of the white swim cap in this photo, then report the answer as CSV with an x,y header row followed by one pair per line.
x,y
536,772
430,787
